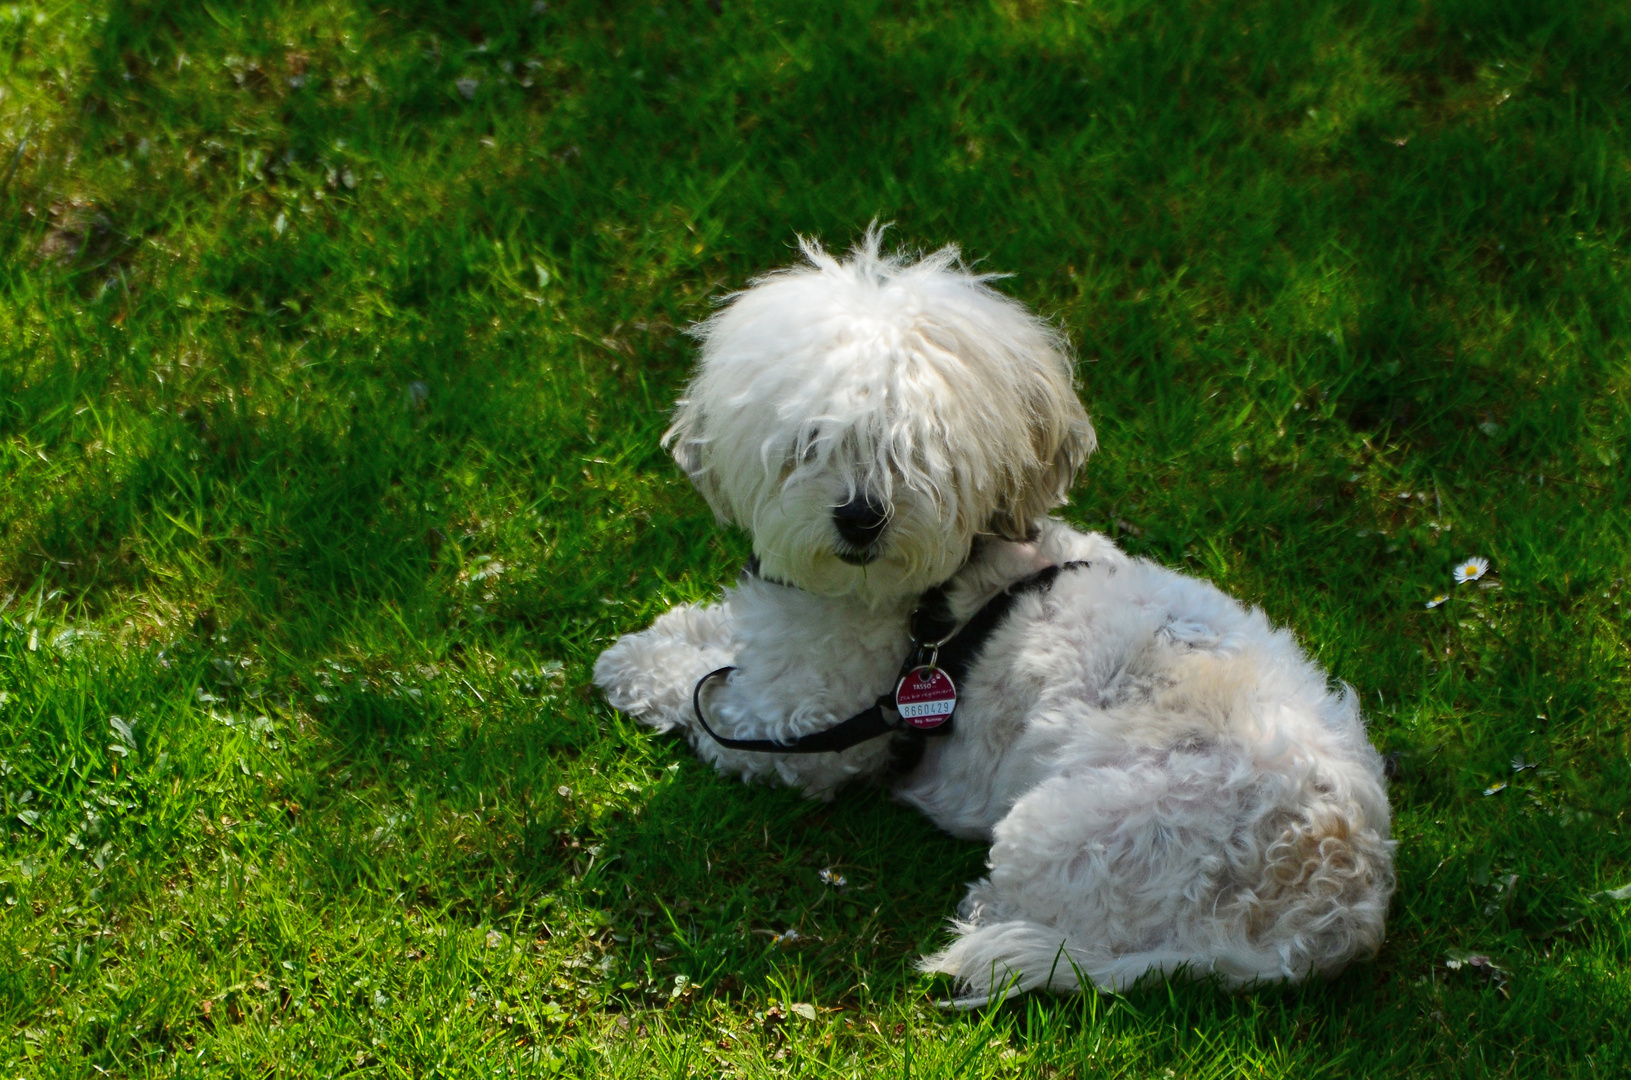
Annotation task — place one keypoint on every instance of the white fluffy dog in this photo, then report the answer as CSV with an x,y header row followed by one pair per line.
x,y
1167,782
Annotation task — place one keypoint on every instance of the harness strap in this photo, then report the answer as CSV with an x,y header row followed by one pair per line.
x,y
867,724
937,641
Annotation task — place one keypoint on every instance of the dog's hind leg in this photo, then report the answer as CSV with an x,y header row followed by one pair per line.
x,y
650,675
1093,874
1160,859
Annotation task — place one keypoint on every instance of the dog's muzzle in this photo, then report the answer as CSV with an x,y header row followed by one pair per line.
x,y
860,524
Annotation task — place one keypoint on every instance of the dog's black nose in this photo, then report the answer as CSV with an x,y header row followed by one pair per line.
x,y
860,521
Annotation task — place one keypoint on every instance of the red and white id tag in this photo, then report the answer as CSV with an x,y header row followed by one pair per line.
x,y
925,698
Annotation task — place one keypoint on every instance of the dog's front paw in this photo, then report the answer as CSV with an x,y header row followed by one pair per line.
x,y
649,675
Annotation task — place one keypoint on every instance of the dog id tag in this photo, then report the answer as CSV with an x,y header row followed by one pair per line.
x,y
925,698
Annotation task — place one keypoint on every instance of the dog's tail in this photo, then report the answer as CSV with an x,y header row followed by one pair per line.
x,y
993,962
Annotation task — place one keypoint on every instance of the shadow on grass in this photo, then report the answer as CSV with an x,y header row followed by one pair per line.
x,y
740,885
681,873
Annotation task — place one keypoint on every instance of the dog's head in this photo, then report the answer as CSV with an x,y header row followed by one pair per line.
x,y
865,419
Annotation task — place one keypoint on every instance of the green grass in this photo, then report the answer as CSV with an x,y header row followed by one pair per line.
x,y
330,390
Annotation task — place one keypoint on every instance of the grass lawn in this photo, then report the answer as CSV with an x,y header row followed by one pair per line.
x,y
336,338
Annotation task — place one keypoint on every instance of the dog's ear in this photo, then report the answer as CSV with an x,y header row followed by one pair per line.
x,y
1063,443
686,438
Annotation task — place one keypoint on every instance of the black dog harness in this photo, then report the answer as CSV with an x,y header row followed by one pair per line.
x,y
923,701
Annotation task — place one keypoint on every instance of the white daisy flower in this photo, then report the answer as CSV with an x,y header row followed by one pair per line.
x,y
1471,569
1441,598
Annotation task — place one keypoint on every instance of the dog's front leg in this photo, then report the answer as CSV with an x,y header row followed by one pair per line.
x,y
746,704
649,675
804,664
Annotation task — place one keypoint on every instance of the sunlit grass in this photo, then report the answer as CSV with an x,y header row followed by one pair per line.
x,y
335,344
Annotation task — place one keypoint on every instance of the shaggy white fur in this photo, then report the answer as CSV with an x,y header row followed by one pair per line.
x,y
1167,782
